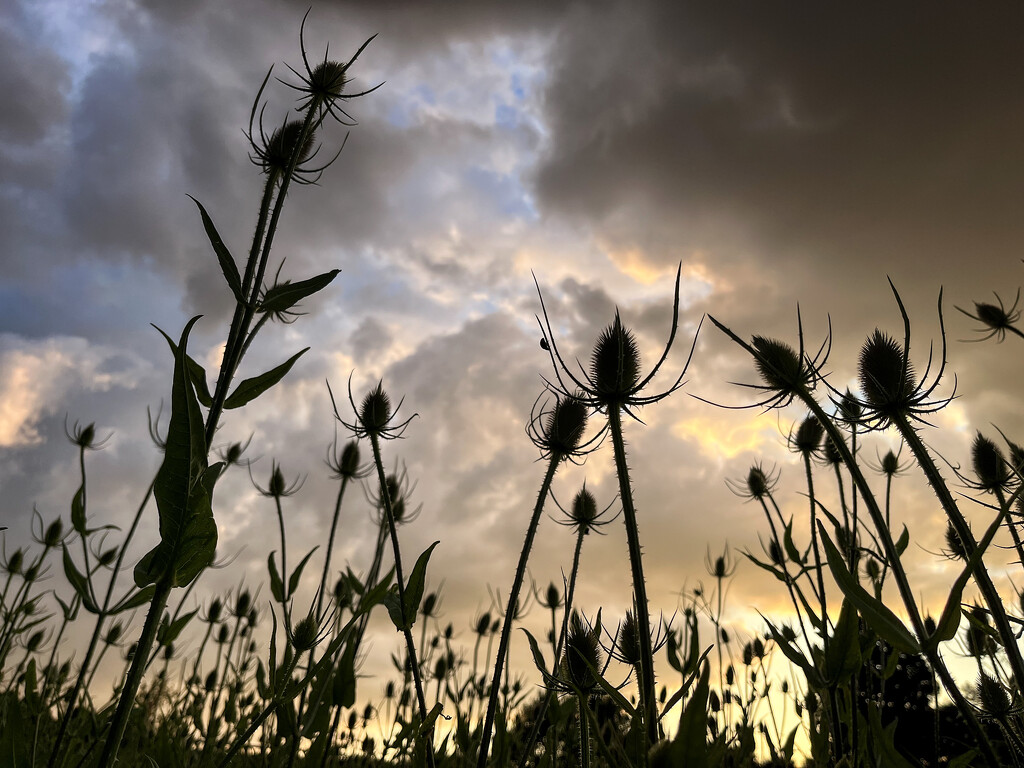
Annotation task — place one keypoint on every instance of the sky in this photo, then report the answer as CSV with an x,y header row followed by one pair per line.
x,y
780,155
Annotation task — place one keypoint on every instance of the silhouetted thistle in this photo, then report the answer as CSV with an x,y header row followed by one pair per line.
x,y
996,320
322,86
614,385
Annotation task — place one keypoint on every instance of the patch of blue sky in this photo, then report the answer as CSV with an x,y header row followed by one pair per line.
x,y
504,191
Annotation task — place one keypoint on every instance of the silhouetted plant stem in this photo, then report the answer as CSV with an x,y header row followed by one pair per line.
x,y
119,722
1017,545
963,531
899,574
584,726
510,610
648,701
385,494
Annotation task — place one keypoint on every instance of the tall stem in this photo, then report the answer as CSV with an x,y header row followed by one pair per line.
x,y
510,611
131,686
400,578
648,702
902,583
963,531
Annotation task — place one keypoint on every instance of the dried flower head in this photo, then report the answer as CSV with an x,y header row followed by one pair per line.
x,y
557,431
995,320
583,515
785,372
614,379
890,389
322,87
375,416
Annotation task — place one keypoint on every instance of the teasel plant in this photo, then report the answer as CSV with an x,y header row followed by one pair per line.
x,y
557,430
894,396
614,386
376,420
184,484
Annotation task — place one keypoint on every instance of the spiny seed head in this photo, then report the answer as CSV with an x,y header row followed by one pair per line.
x,y
584,510
564,426
779,364
758,484
233,454
720,569
216,609
348,466
108,556
32,573
775,552
954,544
831,454
223,634
581,653
429,604
849,408
375,411
483,624
16,562
114,633
615,363
890,464
53,534
243,603
989,465
714,703
994,317
277,485
886,376
808,435
993,696
35,640
628,645
84,437
328,79
552,597
305,635
277,155
872,569
211,682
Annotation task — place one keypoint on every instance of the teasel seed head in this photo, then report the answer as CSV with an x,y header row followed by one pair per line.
x,y
564,426
779,365
989,465
954,544
375,410
886,375
995,701
582,651
615,363
808,436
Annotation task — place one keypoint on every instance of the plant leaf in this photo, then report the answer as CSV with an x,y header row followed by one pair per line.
x,y
949,621
417,579
252,388
283,297
134,599
195,370
293,581
78,512
79,582
227,261
276,585
182,488
877,615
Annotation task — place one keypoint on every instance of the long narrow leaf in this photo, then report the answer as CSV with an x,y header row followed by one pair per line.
x,y
227,261
252,388
283,297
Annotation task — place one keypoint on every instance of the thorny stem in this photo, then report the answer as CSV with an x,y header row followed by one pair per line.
x,y
428,740
963,531
510,611
569,594
119,722
900,575
648,702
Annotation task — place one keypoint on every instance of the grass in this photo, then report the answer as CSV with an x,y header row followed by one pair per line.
x,y
869,682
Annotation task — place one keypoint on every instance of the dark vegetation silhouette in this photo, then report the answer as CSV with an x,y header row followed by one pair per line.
x,y
860,662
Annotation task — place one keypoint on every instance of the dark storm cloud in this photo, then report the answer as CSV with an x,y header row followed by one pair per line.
x,y
828,142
